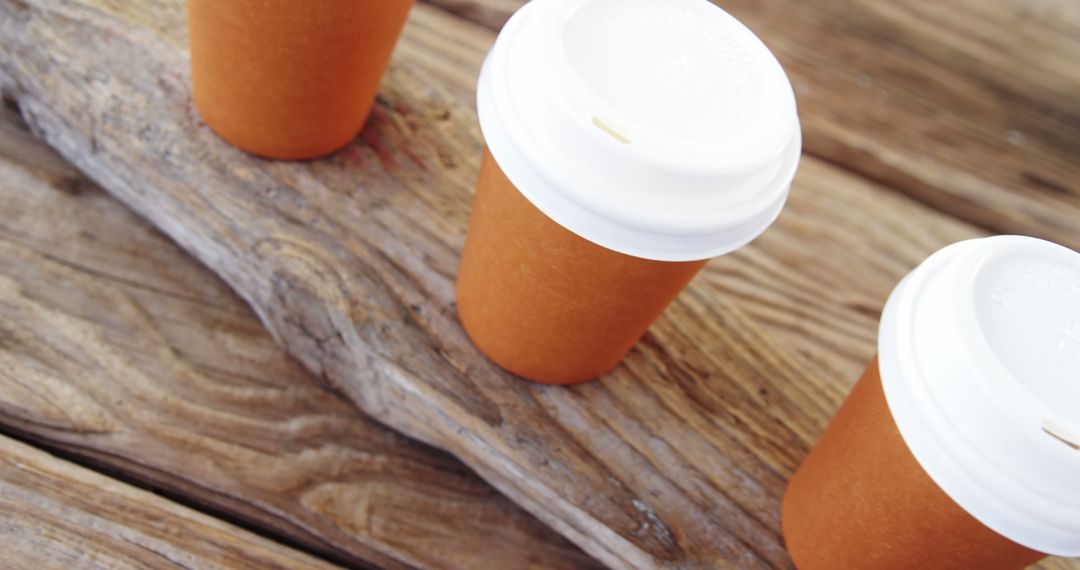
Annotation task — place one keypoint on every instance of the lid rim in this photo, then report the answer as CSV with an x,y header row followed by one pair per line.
x,y
698,225
949,415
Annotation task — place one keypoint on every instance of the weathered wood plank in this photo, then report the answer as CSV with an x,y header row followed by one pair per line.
x,y
120,349
676,459
60,516
967,106
797,282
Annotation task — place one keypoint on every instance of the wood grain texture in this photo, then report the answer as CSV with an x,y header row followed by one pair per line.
x,y
676,460
58,515
967,106
119,349
491,14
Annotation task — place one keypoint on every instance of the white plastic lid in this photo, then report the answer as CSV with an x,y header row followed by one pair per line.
x,y
980,361
662,129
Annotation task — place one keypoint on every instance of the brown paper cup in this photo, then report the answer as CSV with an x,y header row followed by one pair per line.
x,y
543,302
605,186
290,79
862,500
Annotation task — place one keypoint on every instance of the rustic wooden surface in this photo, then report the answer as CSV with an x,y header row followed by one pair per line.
x,y
679,457
60,515
120,349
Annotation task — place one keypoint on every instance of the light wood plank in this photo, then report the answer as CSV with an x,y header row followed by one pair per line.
x,y
60,516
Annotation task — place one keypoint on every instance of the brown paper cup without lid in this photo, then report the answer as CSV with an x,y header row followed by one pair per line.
x,y
290,79
546,304
861,500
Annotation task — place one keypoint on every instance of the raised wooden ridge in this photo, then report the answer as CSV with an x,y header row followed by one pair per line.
x,y
123,352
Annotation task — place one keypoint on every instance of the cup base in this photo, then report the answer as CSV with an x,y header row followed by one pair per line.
x,y
261,149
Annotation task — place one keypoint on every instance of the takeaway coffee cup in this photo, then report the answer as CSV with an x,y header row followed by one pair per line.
x,y
958,448
628,141
290,79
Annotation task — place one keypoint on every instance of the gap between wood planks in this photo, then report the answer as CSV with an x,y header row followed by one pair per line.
x,y
64,515
919,197
131,478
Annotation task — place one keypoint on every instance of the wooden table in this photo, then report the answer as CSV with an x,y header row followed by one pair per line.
x,y
148,419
